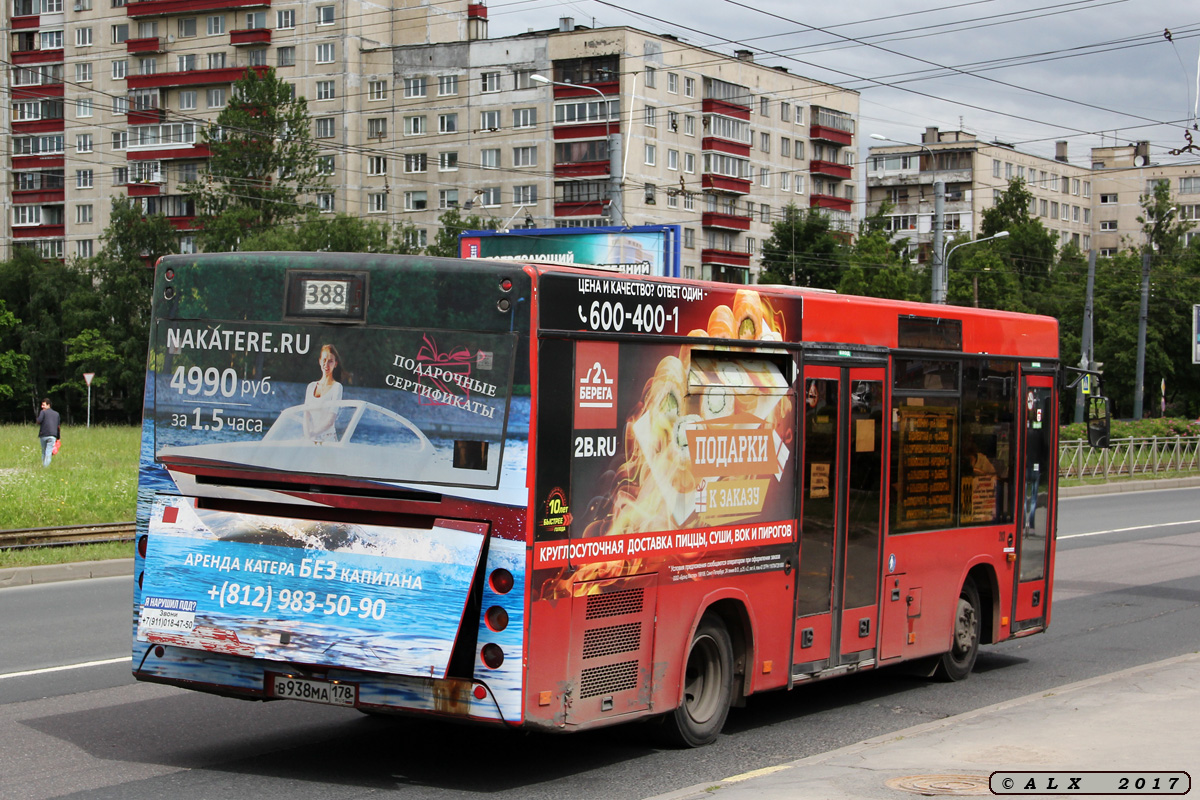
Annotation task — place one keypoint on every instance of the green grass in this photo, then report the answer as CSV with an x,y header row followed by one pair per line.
x,y
41,556
92,479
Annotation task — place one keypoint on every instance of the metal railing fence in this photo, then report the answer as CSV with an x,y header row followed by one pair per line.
x,y
1127,458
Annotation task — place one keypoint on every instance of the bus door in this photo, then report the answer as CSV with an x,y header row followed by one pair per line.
x,y
1035,523
837,589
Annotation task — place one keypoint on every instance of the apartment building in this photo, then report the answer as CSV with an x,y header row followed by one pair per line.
x,y
417,111
1122,175
975,173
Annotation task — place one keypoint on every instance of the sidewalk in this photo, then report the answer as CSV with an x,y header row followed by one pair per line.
x,y
1141,719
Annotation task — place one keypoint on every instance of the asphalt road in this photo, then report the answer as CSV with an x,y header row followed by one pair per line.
x,y
1126,594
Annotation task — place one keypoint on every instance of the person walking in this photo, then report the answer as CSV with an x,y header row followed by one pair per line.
x,y
48,432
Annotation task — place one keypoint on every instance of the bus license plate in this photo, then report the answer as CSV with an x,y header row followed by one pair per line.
x,y
312,691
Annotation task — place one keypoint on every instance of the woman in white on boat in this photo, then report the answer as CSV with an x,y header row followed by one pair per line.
x,y
321,398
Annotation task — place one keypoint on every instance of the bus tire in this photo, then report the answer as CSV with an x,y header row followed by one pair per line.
x,y
707,687
956,664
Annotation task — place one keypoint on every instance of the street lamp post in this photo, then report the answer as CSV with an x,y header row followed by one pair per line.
x,y
1139,378
615,170
946,260
937,292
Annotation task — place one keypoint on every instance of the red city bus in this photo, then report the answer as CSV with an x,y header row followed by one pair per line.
x,y
563,498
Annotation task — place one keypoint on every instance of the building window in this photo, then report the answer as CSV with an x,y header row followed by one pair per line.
x,y
377,128
447,123
414,163
689,125
286,56
689,163
672,83
490,158
1108,199
689,201
524,117
689,238
120,140
672,198
216,98
84,248
1043,205
326,90
325,202
257,57
489,121
120,176
1087,216
83,213
447,162
83,107
651,155
120,105
447,85
325,53
256,20
325,15
523,78
764,142
765,214
651,78
785,111
689,87
764,106
83,72
377,90
525,156
414,87
215,25
377,203
764,176
83,178
185,63
377,165
285,19
326,165
489,82
525,195
216,61
187,100
415,201
120,33
673,159
489,196
448,198
1108,224
83,37
650,115
83,143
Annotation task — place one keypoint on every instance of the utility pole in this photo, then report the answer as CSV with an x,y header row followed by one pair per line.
x,y
938,291
1085,340
1141,343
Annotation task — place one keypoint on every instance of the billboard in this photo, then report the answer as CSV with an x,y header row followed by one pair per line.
x,y
644,250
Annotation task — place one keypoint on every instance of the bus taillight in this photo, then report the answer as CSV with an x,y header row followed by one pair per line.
x,y
492,655
501,581
496,618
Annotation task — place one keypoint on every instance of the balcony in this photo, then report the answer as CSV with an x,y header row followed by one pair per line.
x,y
588,130
26,22
143,189
23,57
725,146
37,91
832,202
250,36
150,44
195,77
588,208
39,126
587,169
829,168
169,151
728,258
729,222
38,196
722,183
182,223
47,161
585,90
713,106
824,133
146,116
162,8
38,231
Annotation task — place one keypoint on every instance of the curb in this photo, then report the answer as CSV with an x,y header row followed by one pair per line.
x,y
53,573
701,790
1116,487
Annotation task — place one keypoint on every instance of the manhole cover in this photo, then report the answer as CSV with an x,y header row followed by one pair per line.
x,y
931,785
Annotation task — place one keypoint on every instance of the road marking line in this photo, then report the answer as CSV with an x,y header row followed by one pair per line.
x,y
1134,528
44,670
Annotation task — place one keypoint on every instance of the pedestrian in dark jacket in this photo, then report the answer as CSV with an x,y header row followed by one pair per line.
x,y
48,432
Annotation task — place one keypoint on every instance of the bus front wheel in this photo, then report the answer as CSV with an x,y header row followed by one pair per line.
x,y
957,663
707,686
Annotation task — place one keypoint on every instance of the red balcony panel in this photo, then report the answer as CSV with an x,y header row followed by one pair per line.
x,y
721,183
597,130
592,169
591,208
725,146
250,36
150,44
731,222
607,87
830,134
39,126
196,77
30,196
476,11
37,92
830,201
38,162
143,189
728,109
146,116
160,8
25,23
192,151
728,258
39,231
830,168
182,223
38,57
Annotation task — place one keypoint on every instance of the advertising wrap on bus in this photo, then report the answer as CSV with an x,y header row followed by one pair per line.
x,y
411,406
683,453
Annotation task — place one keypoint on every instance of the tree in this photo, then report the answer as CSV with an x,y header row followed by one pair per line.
x,y
1029,250
13,365
878,266
336,233
802,251
263,160
451,224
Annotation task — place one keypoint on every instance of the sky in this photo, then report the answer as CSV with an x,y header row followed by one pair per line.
x,y
1024,72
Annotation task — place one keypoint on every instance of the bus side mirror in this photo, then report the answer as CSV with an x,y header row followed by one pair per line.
x,y
1098,422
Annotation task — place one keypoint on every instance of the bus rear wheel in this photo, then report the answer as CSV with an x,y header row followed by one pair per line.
x,y
707,687
957,663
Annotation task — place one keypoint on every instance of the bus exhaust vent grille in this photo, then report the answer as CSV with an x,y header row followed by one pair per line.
x,y
615,604
612,640
608,679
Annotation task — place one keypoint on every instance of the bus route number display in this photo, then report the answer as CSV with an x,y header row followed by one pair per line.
x,y
336,295
325,295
